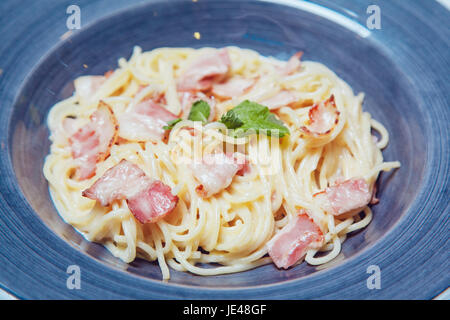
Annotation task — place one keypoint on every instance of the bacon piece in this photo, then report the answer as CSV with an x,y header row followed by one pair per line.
x,y
92,142
292,65
119,182
187,98
215,172
233,87
107,129
148,200
323,117
85,144
346,196
86,86
292,242
152,109
145,121
153,202
205,70
281,99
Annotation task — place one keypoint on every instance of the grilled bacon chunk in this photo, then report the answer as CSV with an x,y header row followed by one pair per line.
x,y
149,200
233,87
290,244
346,196
323,117
206,70
92,142
215,172
145,121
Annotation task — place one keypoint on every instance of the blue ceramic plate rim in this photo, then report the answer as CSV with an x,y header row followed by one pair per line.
x,y
272,290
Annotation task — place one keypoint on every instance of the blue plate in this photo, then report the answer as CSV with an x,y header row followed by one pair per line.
x,y
403,67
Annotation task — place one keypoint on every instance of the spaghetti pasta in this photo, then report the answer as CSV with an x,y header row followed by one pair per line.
x,y
232,227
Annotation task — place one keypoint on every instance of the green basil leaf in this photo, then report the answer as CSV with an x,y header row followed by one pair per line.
x,y
200,111
250,117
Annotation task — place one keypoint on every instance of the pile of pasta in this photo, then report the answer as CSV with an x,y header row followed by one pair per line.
x,y
215,161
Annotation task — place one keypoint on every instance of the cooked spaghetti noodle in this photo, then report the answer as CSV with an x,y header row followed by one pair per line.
x,y
230,228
